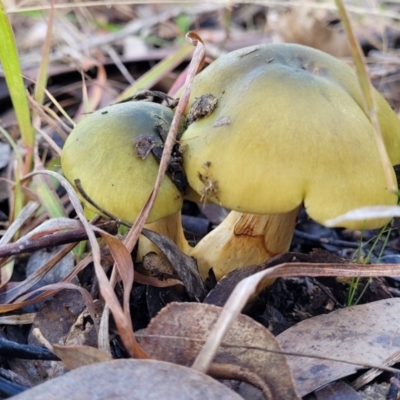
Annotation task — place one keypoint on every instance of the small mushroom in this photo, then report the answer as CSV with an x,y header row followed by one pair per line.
x,y
108,160
295,133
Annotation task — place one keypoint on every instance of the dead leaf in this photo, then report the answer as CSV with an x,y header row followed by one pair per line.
x,y
246,288
156,265
169,333
60,320
338,390
77,356
184,266
220,294
365,334
124,263
54,320
131,379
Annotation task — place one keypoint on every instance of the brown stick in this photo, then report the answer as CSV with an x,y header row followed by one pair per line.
x,y
54,239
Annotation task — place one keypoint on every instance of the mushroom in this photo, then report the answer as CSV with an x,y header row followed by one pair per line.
x,y
275,127
107,158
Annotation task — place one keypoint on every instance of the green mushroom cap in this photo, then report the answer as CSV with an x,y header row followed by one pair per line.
x,y
288,128
115,170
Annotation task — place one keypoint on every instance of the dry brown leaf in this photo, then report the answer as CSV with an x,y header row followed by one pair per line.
x,y
365,334
49,290
55,320
184,266
131,379
337,391
246,288
168,338
77,356
124,263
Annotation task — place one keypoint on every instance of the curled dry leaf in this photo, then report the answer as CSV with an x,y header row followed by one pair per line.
x,y
124,263
184,266
168,337
366,334
131,379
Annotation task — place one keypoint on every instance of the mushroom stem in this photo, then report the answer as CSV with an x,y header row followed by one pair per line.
x,y
171,227
244,239
241,240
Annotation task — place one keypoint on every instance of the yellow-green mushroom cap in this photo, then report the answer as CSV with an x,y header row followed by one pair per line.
x,y
101,153
288,128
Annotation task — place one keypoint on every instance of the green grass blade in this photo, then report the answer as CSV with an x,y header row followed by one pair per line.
x,y
366,89
150,78
41,80
43,188
48,197
13,75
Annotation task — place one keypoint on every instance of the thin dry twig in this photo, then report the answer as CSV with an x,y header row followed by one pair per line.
x,y
26,245
213,5
195,65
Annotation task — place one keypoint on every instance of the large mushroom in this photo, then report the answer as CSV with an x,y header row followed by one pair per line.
x,y
107,157
275,127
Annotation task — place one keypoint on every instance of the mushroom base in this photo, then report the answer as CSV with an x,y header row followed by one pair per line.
x,y
244,239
